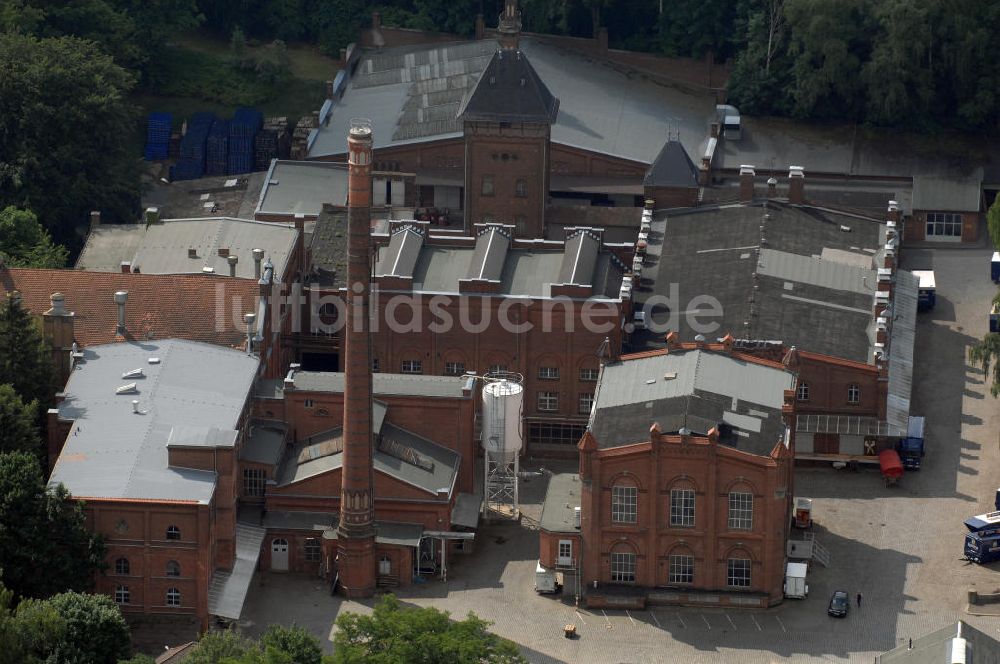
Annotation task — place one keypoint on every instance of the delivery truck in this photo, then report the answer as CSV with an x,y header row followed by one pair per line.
x,y
795,580
911,447
982,542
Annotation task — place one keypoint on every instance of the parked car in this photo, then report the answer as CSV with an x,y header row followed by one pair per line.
x,y
839,604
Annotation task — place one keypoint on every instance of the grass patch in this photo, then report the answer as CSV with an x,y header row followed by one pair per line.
x,y
204,79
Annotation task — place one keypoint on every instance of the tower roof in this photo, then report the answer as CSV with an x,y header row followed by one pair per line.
x,y
672,168
509,90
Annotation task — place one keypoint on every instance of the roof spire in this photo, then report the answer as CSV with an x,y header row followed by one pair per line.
x,y
509,26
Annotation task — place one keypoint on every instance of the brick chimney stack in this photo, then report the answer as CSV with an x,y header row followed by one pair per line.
x,y
356,532
747,175
796,185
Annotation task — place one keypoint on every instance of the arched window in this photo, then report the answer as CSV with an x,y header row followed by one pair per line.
x,y
173,568
853,393
738,570
122,568
173,597
681,564
122,595
624,503
173,533
802,393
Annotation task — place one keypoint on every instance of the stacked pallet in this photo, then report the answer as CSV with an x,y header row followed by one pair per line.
x,y
270,141
191,164
217,148
243,130
158,127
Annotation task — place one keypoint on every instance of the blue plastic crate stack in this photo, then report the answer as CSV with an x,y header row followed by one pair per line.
x,y
191,164
158,126
217,148
243,130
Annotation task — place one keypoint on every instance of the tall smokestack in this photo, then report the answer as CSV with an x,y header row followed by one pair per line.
x,y
121,297
356,532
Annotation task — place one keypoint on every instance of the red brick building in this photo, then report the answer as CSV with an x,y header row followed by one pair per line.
x,y
685,484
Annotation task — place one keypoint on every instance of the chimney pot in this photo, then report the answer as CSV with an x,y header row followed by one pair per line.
x,y
747,175
126,267
233,260
796,185
121,297
58,301
152,215
329,89
135,406
223,252
258,256
95,218
192,252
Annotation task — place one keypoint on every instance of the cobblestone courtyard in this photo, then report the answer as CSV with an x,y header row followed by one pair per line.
x,y
901,546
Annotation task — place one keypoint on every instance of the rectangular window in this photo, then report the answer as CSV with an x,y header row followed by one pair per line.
x,y
487,185
520,225
740,511
548,373
623,568
565,552
308,403
412,367
498,368
312,550
682,507
586,403
944,224
554,433
122,595
521,188
454,368
548,401
681,569
254,480
374,365
589,375
738,573
623,504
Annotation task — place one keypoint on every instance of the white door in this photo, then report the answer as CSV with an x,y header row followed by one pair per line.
x,y
565,556
279,555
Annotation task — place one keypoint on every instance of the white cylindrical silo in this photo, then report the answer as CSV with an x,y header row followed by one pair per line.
x,y
502,407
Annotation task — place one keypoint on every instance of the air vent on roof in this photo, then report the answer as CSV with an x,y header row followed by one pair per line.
x,y
208,270
133,373
128,388
154,360
846,229
650,381
670,375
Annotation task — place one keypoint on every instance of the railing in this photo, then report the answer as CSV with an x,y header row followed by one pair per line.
x,y
846,424
819,553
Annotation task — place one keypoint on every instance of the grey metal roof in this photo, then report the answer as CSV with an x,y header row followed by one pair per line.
x,y
672,168
561,496
386,383
428,466
695,389
265,444
465,513
948,194
787,292
601,107
184,435
490,254
163,247
903,336
302,187
509,90
400,534
228,590
111,452
823,273
936,647
294,520
399,258
328,247
579,257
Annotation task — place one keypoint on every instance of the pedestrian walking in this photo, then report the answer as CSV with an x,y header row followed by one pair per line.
x,y
859,600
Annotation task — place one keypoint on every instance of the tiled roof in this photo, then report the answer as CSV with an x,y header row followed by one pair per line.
x,y
206,308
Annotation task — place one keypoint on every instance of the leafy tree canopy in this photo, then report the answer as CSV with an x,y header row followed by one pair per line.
x,y
64,116
24,243
45,545
18,432
25,359
394,633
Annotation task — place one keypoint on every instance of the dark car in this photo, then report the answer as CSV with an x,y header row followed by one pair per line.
x,y
838,604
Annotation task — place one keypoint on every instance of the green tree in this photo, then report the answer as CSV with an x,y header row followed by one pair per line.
x,y
45,545
24,243
95,630
18,430
27,633
986,354
138,659
294,641
217,647
397,634
993,223
25,358
64,116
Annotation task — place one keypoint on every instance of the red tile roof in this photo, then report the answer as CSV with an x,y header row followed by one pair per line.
x,y
160,306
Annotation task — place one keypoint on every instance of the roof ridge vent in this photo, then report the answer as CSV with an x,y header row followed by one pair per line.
x,y
127,388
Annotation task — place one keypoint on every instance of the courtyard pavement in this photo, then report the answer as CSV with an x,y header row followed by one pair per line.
x,y
900,546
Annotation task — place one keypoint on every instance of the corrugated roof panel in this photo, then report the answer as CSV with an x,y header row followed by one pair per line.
x,y
808,270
